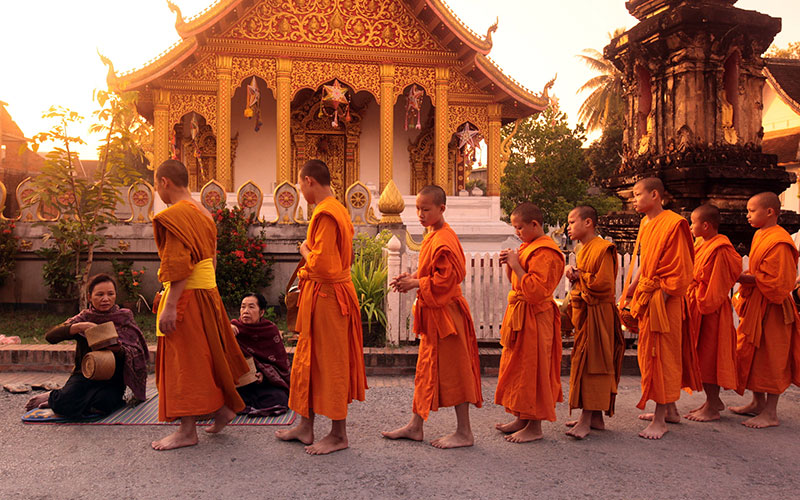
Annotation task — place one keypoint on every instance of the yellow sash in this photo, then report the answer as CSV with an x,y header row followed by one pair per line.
x,y
203,277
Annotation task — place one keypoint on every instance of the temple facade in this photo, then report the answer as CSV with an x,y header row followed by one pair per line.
x,y
381,90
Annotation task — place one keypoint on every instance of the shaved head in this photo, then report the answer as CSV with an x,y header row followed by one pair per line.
x,y
586,212
529,212
436,193
768,199
317,170
708,213
175,171
651,184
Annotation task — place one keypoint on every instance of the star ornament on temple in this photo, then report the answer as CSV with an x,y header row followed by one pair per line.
x,y
468,136
335,93
415,97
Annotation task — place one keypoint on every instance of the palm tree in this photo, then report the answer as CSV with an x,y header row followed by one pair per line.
x,y
605,101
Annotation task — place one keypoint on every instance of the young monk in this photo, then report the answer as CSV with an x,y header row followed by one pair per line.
x,y
198,360
599,345
657,295
768,338
529,382
328,368
448,365
717,266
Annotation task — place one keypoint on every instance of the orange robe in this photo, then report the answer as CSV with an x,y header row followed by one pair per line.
x,y
328,367
667,356
768,339
599,345
717,266
529,382
448,365
198,364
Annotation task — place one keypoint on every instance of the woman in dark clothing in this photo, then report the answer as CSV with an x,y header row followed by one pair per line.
x,y
81,396
260,339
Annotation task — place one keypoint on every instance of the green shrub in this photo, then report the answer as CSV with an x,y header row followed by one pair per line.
x,y
369,273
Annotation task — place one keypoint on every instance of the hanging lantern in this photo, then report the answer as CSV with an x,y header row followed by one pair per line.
x,y
335,102
414,97
253,108
469,140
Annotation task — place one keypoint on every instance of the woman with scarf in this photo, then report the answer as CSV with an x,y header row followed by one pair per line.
x,y
81,396
260,339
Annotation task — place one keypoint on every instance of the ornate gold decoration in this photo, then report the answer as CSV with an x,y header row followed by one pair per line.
x,y
726,113
204,70
460,84
161,127
391,204
505,146
140,197
358,204
224,164
493,157
246,67
387,124
425,77
287,201
376,24
442,130
512,87
411,244
213,195
203,104
312,74
283,95
123,245
3,194
25,245
459,114
250,198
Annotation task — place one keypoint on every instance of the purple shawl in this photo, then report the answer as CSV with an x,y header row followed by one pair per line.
x,y
130,339
264,343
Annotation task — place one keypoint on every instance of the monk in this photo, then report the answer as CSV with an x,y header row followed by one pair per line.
x,y
198,360
768,337
717,266
448,366
657,297
328,369
529,382
599,345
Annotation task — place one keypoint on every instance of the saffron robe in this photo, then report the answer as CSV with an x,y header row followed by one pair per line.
x,y
666,352
599,345
529,382
717,266
448,364
328,368
198,364
768,339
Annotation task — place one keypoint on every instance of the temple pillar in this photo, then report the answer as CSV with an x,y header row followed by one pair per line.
x,y
224,171
161,128
387,124
442,137
283,94
493,170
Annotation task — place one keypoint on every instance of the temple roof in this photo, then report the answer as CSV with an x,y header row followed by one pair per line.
x,y
786,146
439,38
784,76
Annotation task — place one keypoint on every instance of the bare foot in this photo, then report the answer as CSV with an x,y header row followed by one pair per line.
x,y
175,440
761,421
409,431
222,418
584,424
672,416
597,422
720,406
454,440
654,431
706,413
38,401
515,425
531,432
328,444
302,433
579,431
752,408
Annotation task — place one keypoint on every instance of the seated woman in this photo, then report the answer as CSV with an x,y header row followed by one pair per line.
x,y
260,339
81,396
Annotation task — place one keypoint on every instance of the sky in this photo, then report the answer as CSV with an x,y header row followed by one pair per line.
x,y
48,50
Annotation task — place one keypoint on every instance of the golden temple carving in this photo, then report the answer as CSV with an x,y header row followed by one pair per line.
x,y
245,67
460,84
476,115
425,77
312,74
375,24
203,104
204,71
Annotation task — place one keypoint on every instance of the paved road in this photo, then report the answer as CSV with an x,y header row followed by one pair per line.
x,y
722,460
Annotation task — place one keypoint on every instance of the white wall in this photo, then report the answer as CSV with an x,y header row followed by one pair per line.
x,y
370,144
255,154
777,115
401,168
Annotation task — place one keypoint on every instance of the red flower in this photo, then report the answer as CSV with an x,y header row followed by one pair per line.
x,y
121,273
6,231
238,253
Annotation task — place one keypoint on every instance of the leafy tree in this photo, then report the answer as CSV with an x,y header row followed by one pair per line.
x,y
605,102
605,154
547,168
791,51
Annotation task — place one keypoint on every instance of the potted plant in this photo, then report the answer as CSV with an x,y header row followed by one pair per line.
x,y
369,273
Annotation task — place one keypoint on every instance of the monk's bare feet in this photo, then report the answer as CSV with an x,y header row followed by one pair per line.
x,y
454,440
761,421
410,431
515,425
38,401
719,405
672,417
589,420
706,413
531,432
222,418
655,430
177,439
751,409
328,444
302,433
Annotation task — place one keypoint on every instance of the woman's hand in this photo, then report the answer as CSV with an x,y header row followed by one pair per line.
x,y
81,327
235,329
259,377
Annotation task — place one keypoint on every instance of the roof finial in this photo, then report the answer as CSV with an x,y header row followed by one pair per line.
x,y
491,30
177,10
111,77
548,86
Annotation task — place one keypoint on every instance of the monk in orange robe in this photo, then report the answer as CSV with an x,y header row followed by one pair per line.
x,y
198,360
717,266
448,365
599,345
667,357
768,337
529,382
328,367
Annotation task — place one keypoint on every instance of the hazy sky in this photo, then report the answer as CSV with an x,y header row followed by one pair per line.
x,y
49,48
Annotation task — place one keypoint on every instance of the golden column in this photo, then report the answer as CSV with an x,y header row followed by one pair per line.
x,y
160,128
493,153
441,135
283,95
387,124
224,173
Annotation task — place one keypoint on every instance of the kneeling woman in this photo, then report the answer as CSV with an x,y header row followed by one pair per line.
x,y
260,339
80,395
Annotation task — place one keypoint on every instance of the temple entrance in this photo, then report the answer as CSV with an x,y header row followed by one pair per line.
x,y
330,148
